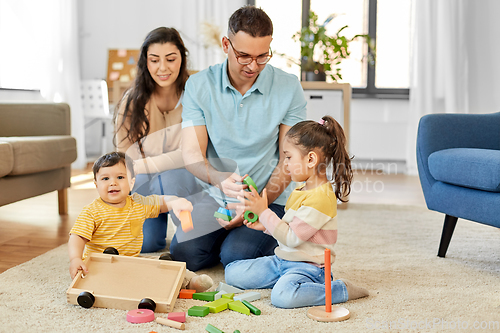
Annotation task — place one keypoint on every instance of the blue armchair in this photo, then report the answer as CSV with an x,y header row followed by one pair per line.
x,y
458,158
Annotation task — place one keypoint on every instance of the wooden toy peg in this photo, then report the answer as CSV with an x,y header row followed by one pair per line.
x,y
186,221
328,312
171,323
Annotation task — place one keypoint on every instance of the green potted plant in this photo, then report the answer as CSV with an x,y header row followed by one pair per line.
x,y
322,54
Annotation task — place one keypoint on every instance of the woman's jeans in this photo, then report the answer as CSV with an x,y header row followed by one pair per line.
x,y
294,283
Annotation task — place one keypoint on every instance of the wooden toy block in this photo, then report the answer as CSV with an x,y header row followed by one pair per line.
x,y
249,181
219,305
223,216
177,316
107,285
198,311
219,295
212,329
224,211
249,296
228,289
186,220
205,296
236,331
238,306
186,293
251,307
230,295
171,323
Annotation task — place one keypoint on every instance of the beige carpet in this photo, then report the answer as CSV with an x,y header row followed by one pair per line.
x,y
391,250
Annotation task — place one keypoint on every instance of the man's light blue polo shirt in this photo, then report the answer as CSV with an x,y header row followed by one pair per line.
x,y
244,129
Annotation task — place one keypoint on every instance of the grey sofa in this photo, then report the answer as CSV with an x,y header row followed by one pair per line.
x,y
36,151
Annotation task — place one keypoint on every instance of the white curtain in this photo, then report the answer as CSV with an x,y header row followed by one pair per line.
x,y
439,65
39,42
199,29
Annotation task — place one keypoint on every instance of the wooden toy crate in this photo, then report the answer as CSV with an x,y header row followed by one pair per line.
x,y
121,282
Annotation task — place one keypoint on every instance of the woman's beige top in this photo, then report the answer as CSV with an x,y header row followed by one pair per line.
x,y
162,146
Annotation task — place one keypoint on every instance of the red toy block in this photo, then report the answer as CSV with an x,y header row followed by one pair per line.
x,y
177,316
186,293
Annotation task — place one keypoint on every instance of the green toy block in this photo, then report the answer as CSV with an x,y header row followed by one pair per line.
x,y
212,329
218,305
252,308
223,216
206,296
238,306
198,311
249,181
236,331
230,296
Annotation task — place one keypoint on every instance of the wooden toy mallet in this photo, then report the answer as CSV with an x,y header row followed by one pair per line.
x,y
328,312
186,221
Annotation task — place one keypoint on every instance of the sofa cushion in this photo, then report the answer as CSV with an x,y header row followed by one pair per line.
x,y
6,158
41,153
467,167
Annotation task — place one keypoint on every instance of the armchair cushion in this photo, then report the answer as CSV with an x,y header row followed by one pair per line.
x,y
467,167
32,154
7,160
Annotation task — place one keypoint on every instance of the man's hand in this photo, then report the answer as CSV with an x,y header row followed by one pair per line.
x,y
231,184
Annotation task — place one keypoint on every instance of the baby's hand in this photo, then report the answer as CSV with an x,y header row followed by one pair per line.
x,y
76,265
179,205
254,202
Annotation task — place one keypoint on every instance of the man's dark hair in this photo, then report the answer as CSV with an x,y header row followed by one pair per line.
x,y
251,20
110,159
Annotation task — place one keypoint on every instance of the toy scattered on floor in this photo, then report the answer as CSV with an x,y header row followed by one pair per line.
x,y
186,293
177,316
218,305
205,296
251,307
171,323
249,296
238,306
139,316
107,284
328,312
228,289
186,220
212,329
198,311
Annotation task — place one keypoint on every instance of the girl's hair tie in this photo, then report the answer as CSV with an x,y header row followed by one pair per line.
x,y
321,122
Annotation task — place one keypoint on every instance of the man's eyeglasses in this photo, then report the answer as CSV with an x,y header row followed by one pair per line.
x,y
247,60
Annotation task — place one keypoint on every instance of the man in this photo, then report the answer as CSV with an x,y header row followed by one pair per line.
x,y
238,111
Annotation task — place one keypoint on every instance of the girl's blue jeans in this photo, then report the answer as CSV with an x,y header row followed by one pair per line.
x,y
294,284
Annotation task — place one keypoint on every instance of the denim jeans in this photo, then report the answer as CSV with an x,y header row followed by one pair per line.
x,y
178,182
224,246
295,284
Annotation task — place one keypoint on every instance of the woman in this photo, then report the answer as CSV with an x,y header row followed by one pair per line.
x,y
148,125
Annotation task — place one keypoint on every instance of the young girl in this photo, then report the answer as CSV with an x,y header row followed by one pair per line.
x,y
295,272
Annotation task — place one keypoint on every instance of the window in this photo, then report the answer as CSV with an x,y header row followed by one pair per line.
x,y
386,21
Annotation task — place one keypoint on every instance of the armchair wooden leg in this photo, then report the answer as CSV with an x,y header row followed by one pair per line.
x,y
62,197
449,226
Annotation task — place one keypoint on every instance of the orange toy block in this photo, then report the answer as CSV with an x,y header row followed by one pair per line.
x,y
186,293
186,221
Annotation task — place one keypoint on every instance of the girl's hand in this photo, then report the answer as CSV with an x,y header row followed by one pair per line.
x,y
255,225
179,205
76,265
254,202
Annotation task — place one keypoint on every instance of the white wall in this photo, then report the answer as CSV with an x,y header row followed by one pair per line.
x,y
123,24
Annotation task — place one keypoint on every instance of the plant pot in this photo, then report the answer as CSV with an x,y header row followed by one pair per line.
x,y
313,76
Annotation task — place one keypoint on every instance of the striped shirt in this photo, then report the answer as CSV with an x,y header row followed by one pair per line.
x,y
308,226
104,225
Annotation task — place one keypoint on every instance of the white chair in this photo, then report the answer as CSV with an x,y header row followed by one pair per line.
x,y
95,105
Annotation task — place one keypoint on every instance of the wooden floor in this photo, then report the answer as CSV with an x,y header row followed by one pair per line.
x,y
33,226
